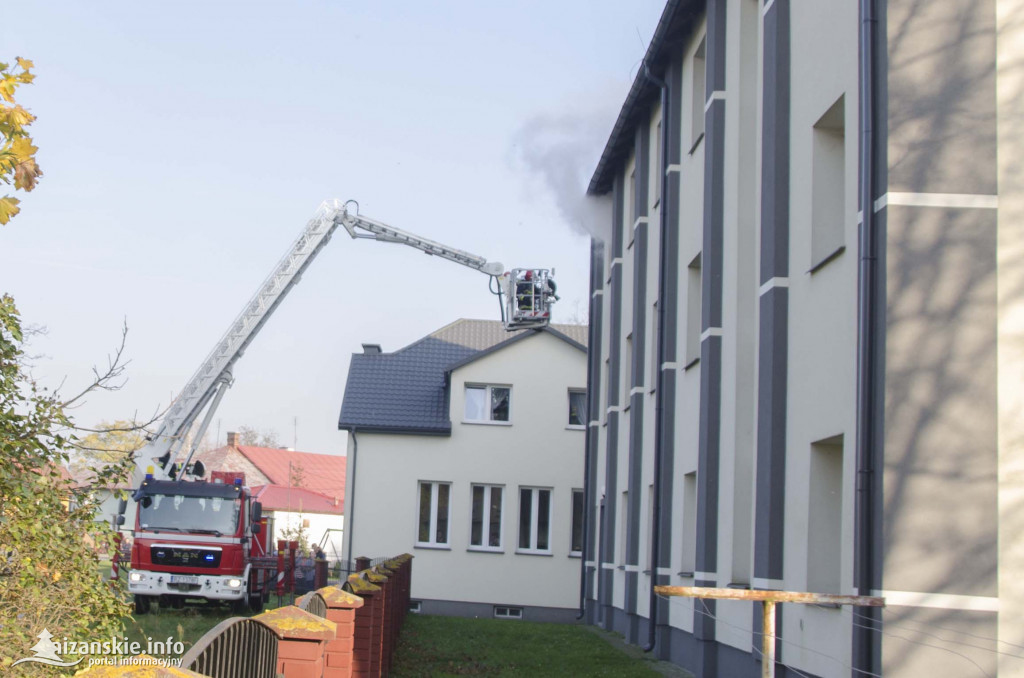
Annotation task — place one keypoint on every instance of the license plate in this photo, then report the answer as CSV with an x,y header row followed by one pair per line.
x,y
184,579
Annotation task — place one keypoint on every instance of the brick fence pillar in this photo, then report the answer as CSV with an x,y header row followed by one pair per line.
x,y
302,640
392,611
366,650
381,639
341,609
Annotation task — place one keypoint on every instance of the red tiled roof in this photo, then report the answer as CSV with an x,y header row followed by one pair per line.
x,y
323,473
296,500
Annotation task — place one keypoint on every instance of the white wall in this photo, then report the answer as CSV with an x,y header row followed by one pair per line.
x,y
537,449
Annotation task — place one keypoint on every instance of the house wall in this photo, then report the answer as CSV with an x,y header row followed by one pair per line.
x,y
537,449
758,372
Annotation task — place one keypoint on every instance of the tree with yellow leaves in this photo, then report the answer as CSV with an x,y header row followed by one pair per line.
x,y
17,154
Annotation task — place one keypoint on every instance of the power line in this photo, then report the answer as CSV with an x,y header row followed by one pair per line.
x,y
923,644
779,638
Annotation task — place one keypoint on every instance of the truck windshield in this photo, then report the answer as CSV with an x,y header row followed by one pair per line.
x,y
180,513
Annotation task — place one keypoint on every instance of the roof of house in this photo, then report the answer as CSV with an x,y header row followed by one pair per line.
x,y
404,391
678,19
296,500
323,473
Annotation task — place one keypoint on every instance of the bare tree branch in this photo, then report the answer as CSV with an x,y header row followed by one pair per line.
x,y
112,378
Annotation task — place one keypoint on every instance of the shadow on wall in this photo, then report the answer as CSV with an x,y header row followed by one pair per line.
x,y
941,470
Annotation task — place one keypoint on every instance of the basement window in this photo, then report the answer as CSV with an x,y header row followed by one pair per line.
x,y
415,606
506,612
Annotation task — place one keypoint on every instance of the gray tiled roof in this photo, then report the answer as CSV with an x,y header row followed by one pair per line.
x,y
404,391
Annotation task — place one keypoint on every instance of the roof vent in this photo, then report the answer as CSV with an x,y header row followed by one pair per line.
x,y
371,349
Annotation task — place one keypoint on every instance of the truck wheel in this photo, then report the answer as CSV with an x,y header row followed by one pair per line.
x,y
256,602
142,604
240,606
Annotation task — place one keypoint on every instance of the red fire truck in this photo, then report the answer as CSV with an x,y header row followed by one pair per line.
x,y
197,539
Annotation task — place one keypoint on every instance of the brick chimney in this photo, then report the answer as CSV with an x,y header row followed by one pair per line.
x,y
232,439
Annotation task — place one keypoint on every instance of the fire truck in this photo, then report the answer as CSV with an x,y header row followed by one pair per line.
x,y
198,539
202,539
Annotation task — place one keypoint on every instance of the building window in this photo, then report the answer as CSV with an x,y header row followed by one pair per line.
x,y
488,403
534,520
653,343
698,96
576,548
825,516
435,510
506,612
659,171
689,536
828,186
693,310
485,533
577,408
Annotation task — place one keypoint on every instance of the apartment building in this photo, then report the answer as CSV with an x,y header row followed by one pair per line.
x,y
806,349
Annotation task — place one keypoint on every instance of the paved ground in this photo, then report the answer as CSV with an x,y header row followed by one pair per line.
x,y
664,668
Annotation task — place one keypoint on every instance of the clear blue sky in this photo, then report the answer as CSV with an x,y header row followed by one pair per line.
x,y
184,146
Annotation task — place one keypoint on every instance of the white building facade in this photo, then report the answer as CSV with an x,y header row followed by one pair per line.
x,y
789,391
466,450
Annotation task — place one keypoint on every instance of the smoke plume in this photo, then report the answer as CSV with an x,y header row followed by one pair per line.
x,y
561,153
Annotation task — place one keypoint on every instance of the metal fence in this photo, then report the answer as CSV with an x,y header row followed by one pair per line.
x,y
235,648
313,603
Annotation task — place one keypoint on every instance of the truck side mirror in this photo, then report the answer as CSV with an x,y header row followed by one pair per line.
x,y
257,512
256,527
122,505
120,518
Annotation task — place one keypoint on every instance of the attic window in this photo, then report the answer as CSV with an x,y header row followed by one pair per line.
x,y
487,404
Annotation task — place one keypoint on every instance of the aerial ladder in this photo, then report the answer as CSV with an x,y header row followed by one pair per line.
x,y
524,295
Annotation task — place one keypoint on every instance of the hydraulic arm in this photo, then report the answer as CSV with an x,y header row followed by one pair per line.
x,y
525,296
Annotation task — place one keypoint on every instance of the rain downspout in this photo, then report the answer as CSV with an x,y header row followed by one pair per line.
x,y
659,399
866,650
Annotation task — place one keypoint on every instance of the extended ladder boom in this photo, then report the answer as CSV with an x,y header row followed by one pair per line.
x,y
214,374
362,227
527,307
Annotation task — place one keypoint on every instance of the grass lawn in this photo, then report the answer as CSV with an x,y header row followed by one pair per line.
x,y
452,646
186,625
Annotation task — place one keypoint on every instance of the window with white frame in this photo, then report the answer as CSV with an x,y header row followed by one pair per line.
x,y
534,520
435,510
485,529
577,408
576,547
488,403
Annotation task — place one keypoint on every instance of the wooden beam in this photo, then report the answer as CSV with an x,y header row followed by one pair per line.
x,y
773,596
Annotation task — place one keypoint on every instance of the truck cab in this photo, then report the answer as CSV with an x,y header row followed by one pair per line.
x,y
195,539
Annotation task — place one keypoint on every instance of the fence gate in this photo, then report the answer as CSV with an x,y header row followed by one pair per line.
x,y
235,648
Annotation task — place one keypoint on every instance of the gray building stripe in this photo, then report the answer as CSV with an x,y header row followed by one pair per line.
x,y
605,578
636,411
773,340
668,309
711,346
771,434
775,144
594,414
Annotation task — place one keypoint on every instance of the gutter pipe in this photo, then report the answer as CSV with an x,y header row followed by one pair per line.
x,y
659,399
866,647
